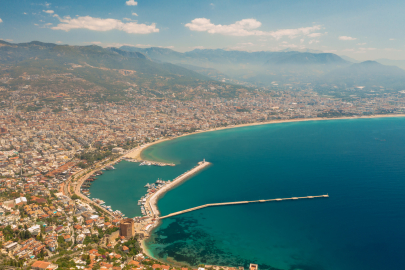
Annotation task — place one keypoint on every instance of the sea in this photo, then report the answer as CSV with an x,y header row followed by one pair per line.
x,y
359,163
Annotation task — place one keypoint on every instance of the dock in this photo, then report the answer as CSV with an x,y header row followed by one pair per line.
x,y
241,202
152,201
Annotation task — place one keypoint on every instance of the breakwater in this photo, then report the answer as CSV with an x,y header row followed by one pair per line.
x,y
240,202
152,201
148,162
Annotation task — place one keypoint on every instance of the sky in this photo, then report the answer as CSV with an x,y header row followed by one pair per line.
x,y
360,29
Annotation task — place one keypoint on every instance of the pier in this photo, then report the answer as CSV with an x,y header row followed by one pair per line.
x,y
152,201
241,202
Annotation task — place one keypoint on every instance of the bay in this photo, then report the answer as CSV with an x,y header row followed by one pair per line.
x,y
360,163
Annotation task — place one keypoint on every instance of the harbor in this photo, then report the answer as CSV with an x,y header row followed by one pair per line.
x,y
151,202
148,202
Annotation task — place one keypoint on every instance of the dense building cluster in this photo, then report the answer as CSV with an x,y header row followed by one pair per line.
x,y
48,138
40,141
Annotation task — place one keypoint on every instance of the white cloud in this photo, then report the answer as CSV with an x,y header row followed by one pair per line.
x,y
1,20
25,13
197,47
99,24
46,4
313,35
347,38
246,27
48,11
291,46
134,14
240,28
127,19
131,3
313,41
292,33
392,39
59,42
361,44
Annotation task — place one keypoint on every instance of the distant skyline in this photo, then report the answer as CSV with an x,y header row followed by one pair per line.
x,y
363,30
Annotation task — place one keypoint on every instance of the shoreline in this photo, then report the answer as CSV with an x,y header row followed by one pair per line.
x,y
152,201
136,153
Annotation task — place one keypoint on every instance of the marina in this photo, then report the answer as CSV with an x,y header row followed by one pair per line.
x,y
152,202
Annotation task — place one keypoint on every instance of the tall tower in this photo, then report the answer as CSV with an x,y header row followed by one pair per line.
x,y
127,228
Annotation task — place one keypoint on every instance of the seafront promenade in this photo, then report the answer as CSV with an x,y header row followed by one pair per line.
x,y
241,202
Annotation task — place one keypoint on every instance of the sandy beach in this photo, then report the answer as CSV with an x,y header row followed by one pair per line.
x,y
136,153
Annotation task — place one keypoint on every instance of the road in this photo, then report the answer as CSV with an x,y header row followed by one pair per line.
x,y
80,181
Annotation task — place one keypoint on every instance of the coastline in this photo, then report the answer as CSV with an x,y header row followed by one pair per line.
x,y
151,202
136,153
178,180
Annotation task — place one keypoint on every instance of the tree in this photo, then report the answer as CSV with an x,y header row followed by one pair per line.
x,y
27,234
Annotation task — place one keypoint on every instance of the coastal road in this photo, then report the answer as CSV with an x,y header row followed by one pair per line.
x,y
80,181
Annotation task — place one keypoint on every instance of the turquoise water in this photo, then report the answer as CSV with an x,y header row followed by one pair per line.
x,y
359,163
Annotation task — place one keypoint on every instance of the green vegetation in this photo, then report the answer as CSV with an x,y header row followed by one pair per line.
x,y
65,263
75,197
242,110
92,157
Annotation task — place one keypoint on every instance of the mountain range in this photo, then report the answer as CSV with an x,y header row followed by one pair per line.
x,y
162,68
264,68
50,56
106,72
